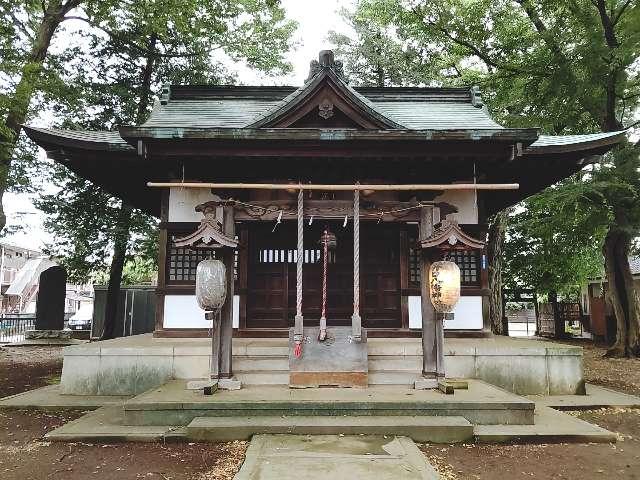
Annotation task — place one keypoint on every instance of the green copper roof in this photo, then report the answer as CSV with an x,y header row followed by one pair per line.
x,y
241,107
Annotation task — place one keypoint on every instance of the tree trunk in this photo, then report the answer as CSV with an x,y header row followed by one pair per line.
x,y
27,86
558,320
621,293
123,224
497,229
121,241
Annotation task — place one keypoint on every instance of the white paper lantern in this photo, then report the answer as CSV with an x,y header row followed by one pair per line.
x,y
211,285
444,286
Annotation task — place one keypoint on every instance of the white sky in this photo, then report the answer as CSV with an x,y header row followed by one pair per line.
x,y
315,19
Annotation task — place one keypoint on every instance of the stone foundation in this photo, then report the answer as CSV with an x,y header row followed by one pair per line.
x,y
132,365
47,334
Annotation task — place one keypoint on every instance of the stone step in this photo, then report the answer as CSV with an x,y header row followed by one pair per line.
x,y
419,428
410,363
281,377
281,363
393,377
262,377
551,426
248,364
173,404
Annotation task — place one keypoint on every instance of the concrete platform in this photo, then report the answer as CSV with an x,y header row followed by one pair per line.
x,y
551,426
420,429
107,425
110,423
294,457
480,404
596,397
132,365
51,398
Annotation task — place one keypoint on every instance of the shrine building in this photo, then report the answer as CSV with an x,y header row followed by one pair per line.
x,y
420,170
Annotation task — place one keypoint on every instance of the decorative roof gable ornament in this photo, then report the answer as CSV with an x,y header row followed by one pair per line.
x,y
450,235
209,234
325,109
325,60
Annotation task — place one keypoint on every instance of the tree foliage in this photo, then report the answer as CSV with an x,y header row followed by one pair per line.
x,y
563,66
128,53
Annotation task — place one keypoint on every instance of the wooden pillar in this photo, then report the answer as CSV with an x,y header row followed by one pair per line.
x,y
430,329
226,315
429,344
162,261
243,263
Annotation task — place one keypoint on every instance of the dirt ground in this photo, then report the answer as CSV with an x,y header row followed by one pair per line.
x,y
560,461
620,461
24,456
619,374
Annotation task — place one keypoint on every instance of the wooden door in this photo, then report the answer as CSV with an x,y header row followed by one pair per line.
x,y
271,296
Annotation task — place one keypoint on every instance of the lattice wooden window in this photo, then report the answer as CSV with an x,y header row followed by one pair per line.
x,y
468,261
414,261
283,255
182,263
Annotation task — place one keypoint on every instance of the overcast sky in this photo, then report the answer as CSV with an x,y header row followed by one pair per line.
x,y
315,19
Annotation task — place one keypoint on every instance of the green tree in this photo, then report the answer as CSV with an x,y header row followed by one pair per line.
x,y
146,43
27,29
565,66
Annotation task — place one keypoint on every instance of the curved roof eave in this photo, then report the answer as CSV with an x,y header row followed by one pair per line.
x,y
83,139
547,144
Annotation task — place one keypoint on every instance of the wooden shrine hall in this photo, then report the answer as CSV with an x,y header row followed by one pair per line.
x,y
396,178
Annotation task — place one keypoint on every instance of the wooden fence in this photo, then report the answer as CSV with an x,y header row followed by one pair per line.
x,y
550,319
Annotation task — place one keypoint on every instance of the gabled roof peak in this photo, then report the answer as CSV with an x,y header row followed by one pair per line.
x,y
326,61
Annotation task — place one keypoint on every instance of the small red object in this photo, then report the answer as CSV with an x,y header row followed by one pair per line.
x,y
297,351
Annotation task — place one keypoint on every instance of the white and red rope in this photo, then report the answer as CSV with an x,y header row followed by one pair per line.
x,y
298,329
356,323
322,333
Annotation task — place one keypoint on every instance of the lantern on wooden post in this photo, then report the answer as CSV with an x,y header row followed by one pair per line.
x,y
444,286
211,287
214,288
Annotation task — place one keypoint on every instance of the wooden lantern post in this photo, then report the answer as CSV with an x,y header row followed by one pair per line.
x,y
217,232
447,235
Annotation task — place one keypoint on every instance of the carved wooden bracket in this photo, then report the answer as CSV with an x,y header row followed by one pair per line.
x,y
209,233
450,235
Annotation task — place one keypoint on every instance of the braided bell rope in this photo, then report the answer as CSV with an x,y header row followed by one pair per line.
x,y
325,243
300,258
356,252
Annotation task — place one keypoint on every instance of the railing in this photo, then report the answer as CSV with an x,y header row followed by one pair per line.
x,y
13,326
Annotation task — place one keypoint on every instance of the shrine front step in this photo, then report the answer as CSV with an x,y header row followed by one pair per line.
x,y
480,404
418,428
281,377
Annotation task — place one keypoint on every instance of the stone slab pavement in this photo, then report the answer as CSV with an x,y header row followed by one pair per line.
x,y
335,457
